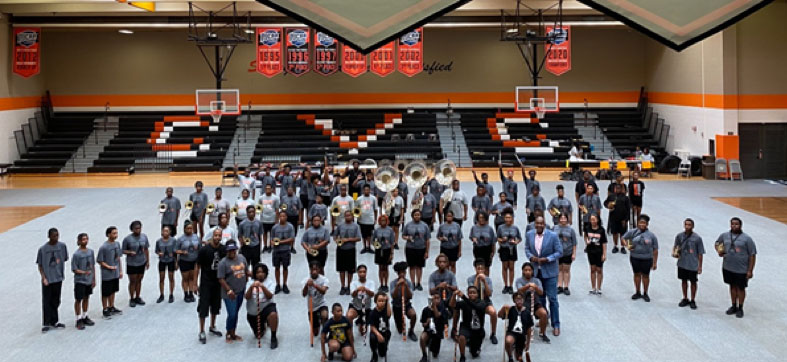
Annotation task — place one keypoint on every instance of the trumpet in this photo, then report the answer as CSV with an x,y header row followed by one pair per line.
x,y
676,251
336,211
189,205
283,207
554,211
276,241
719,245
235,210
584,209
611,204
314,252
162,208
258,208
630,244
246,240
357,212
210,209
376,244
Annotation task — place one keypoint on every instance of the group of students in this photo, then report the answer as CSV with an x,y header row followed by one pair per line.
x,y
227,259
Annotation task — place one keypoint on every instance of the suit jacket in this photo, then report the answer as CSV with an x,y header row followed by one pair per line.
x,y
550,249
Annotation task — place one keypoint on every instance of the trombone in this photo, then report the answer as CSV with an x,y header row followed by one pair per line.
x,y
162,208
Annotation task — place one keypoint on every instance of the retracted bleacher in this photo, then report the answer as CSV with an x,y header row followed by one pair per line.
x,y
64,135
626,130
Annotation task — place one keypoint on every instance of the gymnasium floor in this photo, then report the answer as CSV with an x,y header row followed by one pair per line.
x,y
594,328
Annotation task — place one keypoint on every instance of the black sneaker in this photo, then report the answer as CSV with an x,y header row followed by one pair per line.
x,y
285,289
424,359
80,324
330,356
411,334
692,305
140,301
107,314
739,313
202,338
559,290
171,299
614,250
544,338
636,296
274,342
277,290
160,299
566,291
646,298
475,354
683,302
396,246
493,338
732,310
293,251
132,303
45,329
214,331
88,322
462,359
623,251
59,325
115,311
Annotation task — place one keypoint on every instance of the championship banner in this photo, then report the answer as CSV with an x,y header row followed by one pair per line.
x,y
559,52
269,62
326,53
27,51
297,48
353,62
411,51
382,60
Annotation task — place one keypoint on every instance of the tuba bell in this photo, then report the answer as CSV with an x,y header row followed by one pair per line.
x,y
386,178
336,211
445,172
210,209
357,212
415,174
162,208
368,164
400,165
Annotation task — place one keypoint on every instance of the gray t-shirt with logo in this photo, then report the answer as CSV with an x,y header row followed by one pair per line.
x,y
368,205
437,277
568,238
645,242
690,249
385,236
318,299
419,231
233,271
738,248
313,236
173,209
270,206
167,248
52,260
452,232
250,229
109,253
282,232
83,260
200,201
345,230
563,205
190,244
429,206
484,234
137,244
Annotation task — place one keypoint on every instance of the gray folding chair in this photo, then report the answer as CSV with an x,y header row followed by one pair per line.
x,y
721,168
735,170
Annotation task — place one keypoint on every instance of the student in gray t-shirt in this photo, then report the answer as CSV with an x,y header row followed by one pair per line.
x,y
483,239
450,236
416,250
165,249
314,288
83,265
644,247
220,205
171,212
442,280
481,202
368,205
109,258
135,246
51,260
232,274
349,233
689,250
197,214
188,251
740,254
458,203
285,233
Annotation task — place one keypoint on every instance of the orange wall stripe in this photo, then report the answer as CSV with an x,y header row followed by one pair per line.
x,y
493,131
362,138
326,132
11,103
721,101
335,138
496,137
541,136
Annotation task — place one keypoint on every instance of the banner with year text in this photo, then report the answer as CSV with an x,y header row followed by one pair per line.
x,y
382,59
411,52
269,59
297,48
326,53
353,62
559,53
27,51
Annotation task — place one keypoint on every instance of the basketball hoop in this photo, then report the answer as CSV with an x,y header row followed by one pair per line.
x,y
540,112
216,115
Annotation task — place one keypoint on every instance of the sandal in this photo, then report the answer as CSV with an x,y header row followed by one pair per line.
x,y
229,340
237,338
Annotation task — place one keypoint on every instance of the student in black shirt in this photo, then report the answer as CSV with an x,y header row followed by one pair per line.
x,y
596,248
518,328
471,330
401,294
209,288
434,319
337,333
380,327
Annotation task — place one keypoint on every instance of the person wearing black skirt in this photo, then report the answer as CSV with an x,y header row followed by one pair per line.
x,y
619,207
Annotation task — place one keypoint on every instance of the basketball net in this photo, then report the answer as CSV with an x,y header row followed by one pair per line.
x,y
540,112
216,115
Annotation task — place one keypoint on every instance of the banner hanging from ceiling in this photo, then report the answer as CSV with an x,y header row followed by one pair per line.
x,y
269,59
411,52
297,48
27,51
353,62
382,60
326,53
558,52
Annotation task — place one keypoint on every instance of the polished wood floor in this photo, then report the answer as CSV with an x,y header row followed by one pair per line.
x,y
771,207
13,216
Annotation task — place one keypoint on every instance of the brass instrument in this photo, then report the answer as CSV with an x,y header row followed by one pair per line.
x,y
162,208
258,208
386,178
554,211
276,241
611,205
246,240
376,244
189,206
283,207
234,210
400,165
357,212
415,177
314,252
388,204
630,244
676,251
719,245
339,242
335,210
210,209
584,209
445,172
368,164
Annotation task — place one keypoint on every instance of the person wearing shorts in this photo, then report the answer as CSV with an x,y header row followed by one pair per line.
x,y
483,238
109,258
568,240
171,212
249,231
416,234
509,236
270,207
434,319
208,259
450,236
596,248
368,205
83,264
314,287
644,248
316,237
401,297
165,249
471,309
348,233
428,207
690,249
739,253
260,308
285,233
531,287
135,246
187,250
520,321
199,201
383,237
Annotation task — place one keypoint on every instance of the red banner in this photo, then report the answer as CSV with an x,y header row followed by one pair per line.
x,y
297,47
353,62
382,60
27,51
269,62
411,51
326,54
559,51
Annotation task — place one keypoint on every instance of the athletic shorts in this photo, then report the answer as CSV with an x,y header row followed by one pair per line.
x,y
617,226
737,280
194,217
434,339
636,201
108,287
266,228
485,253
685,274
472,334
82,291
315,315
366,230
641,266
321,257
304,201
345,260
209,300
415,257
170,267
427,221
252,319
382,257
395,220
519,339
507,253
135,270
397,314
452,254
565,260
281,259
594,259
186,265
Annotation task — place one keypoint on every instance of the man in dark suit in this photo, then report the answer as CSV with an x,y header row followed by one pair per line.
x,y
543,249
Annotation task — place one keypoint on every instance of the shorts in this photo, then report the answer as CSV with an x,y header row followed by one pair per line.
x,y
636,201
641,266
395,220
135,270
345,260
519,338
281,259
315,315
251,253
485,253
617,226
266,228
252,319
209,300
109,287
508,253
173,229
415,257
193,216
382,257
321,257
434,340
294,221
185,266
304,200
452,253
594,259
473,337
685,274
397,314
565,260
82,291
170,267
366,230
737,280
428,221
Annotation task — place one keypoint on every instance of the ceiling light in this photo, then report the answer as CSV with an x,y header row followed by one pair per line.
x,y
125,31
249,31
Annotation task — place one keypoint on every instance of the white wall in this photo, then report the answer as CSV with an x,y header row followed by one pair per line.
x,y
683,136
11,121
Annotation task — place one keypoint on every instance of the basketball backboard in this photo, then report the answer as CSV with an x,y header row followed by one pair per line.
x,y
217,102
536,99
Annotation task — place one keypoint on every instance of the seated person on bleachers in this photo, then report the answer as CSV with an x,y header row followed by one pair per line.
x,y
575,153
646,156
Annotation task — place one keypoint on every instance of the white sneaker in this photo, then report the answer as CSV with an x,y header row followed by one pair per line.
x,y
598,292
593,292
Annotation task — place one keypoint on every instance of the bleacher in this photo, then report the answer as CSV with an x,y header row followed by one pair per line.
x,y
543,142
52,150
626,129
167,143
